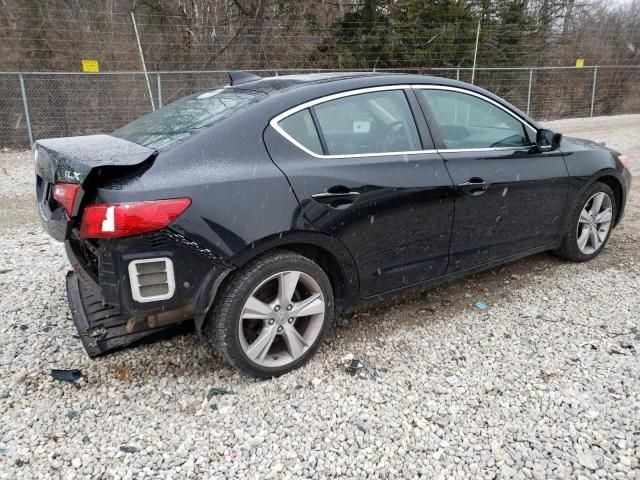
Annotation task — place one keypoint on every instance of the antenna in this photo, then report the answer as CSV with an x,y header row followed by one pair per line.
x,y
238,77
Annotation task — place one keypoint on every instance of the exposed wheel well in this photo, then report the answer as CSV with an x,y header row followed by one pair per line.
x,y
615,185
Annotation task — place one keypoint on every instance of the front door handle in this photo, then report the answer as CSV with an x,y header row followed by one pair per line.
x,y
474,186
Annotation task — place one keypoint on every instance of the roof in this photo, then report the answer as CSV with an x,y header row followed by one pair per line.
x,y
283,82
321,84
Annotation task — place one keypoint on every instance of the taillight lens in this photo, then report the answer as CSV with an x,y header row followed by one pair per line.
x,y
65,194
123,219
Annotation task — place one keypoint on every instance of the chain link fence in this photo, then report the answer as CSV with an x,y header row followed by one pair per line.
x,y
55,104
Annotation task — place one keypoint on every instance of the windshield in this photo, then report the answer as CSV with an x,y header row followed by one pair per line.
x,y
185,117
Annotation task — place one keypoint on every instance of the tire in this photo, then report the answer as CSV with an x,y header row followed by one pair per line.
x,y
570,248
237,329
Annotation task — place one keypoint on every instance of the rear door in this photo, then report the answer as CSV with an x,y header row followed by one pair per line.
x,y
364,170
509,197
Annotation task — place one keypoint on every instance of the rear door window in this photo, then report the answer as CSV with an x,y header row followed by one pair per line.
x,y
300,127
368,123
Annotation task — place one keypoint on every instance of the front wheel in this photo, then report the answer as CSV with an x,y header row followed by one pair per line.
x,y
272,315
590,224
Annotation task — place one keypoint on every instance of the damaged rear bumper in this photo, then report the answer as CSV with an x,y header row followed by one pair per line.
x,y
107,313
103,327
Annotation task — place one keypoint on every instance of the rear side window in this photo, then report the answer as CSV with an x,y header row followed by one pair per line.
x,y
468,122
301,128
376,122
187,116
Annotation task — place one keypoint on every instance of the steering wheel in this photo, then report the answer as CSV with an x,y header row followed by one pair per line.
x,y
390,135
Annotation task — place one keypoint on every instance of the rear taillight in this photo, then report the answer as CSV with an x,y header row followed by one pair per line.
x,y
65,194
123,219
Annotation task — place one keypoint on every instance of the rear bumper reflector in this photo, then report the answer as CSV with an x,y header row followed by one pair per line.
x,y
152,279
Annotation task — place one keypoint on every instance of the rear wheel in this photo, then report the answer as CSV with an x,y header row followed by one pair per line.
x,y
272,315
590,225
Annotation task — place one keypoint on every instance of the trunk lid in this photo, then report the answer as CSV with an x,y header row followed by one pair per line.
x,y
72,159
78,160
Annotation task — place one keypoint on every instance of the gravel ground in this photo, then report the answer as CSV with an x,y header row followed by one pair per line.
x,y
620,132
544,383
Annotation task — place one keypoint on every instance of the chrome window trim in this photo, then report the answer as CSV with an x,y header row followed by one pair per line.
x,y
276,126
484,149
486,99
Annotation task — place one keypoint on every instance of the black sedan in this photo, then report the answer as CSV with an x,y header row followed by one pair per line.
x,y
263,209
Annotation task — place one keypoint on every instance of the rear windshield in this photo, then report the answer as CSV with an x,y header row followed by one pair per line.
x,y
187,116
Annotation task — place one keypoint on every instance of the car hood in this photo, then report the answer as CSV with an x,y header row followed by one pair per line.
x,y
584,143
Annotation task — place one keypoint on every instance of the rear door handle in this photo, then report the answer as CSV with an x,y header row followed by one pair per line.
x,y
328,197
474,186
336,199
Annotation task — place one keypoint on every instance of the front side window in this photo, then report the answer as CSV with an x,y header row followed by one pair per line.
x,y
365,123
466,121
187,116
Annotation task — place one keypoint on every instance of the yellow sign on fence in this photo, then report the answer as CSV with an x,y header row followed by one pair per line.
x,y
90,66
580,62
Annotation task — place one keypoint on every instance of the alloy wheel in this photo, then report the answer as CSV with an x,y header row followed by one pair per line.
x,y
281,319
594,223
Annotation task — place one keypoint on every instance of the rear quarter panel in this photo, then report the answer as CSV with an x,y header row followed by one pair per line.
x,y
238,195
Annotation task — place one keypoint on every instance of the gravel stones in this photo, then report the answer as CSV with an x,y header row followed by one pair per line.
x,y
588,461
514,391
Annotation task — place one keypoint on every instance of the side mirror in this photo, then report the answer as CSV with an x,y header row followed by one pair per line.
x,y
547,141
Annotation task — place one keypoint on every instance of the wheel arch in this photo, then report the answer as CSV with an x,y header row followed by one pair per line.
x,y
613,182
329,253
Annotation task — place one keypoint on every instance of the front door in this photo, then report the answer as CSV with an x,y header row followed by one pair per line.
x,y
509,197
364,172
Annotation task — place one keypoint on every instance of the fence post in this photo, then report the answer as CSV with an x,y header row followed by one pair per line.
x,y
457,74
144,65
529,92
593,90
26,110
475,55
159,84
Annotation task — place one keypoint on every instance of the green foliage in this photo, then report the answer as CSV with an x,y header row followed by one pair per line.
x,y
416,34
509,36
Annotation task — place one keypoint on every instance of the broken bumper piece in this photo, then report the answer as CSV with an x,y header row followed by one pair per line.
x,y
103,328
